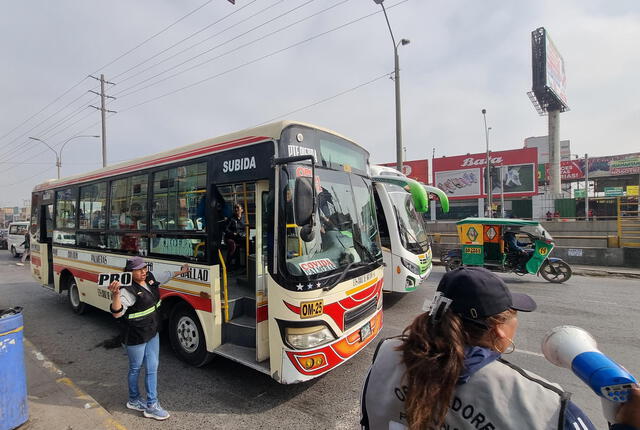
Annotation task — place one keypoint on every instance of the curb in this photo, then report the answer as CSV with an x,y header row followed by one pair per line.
x,y
63,396
585,271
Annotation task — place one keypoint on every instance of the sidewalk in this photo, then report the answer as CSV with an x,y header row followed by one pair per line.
x,y
623,272
56,403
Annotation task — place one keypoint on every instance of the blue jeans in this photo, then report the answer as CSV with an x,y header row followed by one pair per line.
x,y
147,353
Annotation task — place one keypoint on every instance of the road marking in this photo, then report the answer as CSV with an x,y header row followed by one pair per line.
x,y
524,351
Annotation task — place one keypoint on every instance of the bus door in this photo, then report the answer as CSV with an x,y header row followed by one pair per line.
x,y
241,249
45,221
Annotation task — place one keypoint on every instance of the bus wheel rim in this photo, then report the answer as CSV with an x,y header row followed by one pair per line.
x,y
188,336
74,295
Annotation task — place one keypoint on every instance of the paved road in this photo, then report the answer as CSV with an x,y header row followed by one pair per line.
x,y
225,395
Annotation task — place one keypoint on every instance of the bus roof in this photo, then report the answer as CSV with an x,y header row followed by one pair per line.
x,y
228,141
497,221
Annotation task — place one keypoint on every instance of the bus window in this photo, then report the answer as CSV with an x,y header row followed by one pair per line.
x,y
191,248
179,198
130,243
385,238
93,201
66,208
129,203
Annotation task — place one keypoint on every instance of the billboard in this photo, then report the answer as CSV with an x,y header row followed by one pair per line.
x,y
548,73
516,179
455,175
459,183
416,169
599,167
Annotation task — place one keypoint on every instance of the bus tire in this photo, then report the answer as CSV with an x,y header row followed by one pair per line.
x,y
73,293
187,337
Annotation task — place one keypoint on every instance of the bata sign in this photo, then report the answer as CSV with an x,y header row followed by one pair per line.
x,y
463,176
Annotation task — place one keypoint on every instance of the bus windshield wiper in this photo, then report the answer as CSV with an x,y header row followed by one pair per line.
x,y
343,274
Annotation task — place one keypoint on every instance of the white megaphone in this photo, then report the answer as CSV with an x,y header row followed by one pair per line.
x,y
574,348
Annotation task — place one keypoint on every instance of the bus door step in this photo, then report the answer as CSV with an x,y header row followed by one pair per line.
x,y
240,331
244,355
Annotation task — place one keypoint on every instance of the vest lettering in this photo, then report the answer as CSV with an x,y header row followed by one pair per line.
x,y
488,426
457,404
399,394
478,419
467,412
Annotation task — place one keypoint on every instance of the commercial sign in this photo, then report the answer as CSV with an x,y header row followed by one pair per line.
x,y
632,190
556,77
462,176
613,191
416,169
599,167
579,194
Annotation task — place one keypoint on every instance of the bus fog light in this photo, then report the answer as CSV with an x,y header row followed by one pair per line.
x,y
410,282
308,337
414,268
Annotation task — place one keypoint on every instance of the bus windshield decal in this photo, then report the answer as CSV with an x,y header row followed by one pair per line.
x,y
317,266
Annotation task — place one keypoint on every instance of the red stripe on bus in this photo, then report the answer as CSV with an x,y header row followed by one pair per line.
x,y
77,273
36,261
262,313
196,302
149,163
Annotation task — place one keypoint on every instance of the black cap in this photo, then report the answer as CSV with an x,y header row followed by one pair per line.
x,y
476,294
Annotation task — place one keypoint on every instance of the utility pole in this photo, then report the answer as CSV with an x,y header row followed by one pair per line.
x,y
103,111
586,187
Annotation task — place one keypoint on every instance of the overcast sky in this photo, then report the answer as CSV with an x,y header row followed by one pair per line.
x,y
464,56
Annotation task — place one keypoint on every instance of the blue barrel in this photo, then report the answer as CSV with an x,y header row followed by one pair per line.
x,y
13,378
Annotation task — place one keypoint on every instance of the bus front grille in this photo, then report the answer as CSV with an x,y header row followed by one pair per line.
x,y
356,315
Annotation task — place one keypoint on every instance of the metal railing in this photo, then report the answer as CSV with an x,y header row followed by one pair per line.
x,y
629,222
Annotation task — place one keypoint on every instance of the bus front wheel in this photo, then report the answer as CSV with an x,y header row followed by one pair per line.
x,y
77,305
187,336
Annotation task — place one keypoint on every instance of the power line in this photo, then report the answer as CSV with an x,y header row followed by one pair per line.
x,y
185,39
215,47
271,54
326,99
106,65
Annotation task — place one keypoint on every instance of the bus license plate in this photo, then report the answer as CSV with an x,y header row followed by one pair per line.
x,y
311,309
365,331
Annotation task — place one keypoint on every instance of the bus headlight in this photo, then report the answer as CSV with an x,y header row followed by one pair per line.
x,y
308,337
414,268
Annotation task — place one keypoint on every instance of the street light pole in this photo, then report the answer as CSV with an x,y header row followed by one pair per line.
x,y
59,153
54,151
396,79
71,138
488,168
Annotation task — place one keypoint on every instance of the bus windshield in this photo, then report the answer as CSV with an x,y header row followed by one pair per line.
x,y
346,232
413,234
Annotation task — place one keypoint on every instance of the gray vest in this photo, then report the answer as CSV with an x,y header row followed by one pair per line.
x,y
499,396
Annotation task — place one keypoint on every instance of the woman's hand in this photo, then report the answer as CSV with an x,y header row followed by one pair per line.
x,y
114,287
629,412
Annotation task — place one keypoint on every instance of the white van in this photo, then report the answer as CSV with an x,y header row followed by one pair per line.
x,y
15,238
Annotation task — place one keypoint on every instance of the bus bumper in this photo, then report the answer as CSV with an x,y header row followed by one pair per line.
x,y
303,365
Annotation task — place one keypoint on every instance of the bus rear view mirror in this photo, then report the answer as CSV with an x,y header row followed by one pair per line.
x,y
303,201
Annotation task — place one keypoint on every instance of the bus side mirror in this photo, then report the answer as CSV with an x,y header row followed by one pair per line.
x,y
303,207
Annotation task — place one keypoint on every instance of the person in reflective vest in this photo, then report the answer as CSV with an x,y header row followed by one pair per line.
x,y
446,371
137,305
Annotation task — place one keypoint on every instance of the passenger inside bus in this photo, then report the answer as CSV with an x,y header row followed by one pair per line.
x,y
234,237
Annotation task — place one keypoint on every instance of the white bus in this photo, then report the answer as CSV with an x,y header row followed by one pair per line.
x,y
406,248
305,294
